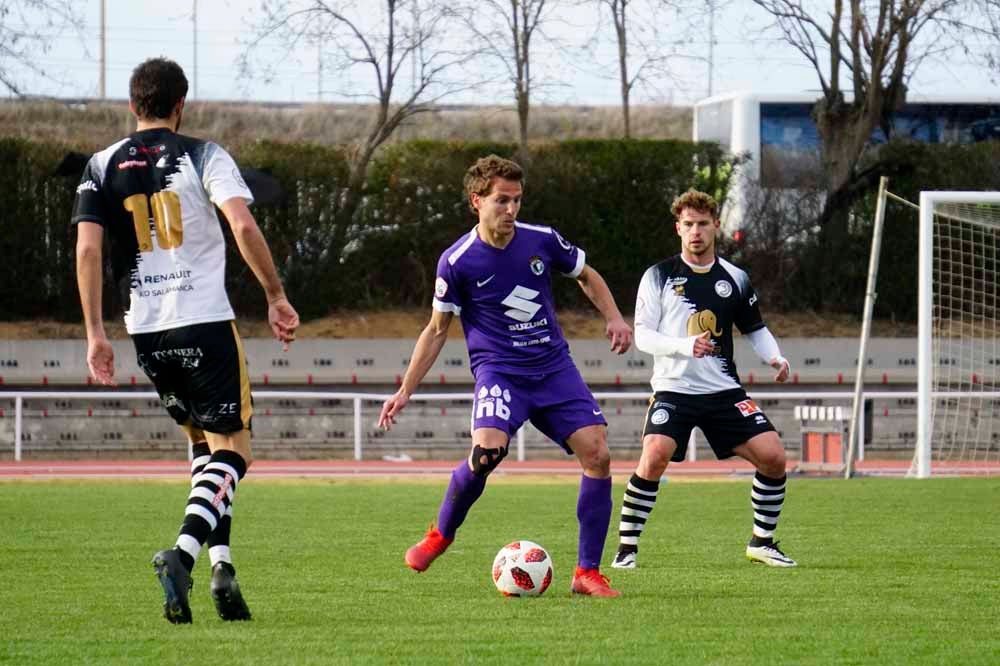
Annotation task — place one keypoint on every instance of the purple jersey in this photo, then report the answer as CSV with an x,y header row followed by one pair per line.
x,y
504,298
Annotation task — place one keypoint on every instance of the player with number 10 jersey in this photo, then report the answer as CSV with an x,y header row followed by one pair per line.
x,y
154,194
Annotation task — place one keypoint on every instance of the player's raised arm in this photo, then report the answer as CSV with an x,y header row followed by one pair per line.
x,y
425,352
89,278
617,330
280,314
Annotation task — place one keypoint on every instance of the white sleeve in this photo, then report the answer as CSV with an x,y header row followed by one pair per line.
x,y
221,177
648,310
765,345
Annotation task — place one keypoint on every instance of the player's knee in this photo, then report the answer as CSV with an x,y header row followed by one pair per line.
x,y
657,450
485,461
597,459
772,461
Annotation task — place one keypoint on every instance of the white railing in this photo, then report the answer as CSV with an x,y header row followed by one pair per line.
x,y
359,398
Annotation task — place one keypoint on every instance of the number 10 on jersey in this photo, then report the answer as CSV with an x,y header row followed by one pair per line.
x,y
166,215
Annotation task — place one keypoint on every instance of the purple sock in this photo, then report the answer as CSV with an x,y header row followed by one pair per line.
x,y
593,510
463,491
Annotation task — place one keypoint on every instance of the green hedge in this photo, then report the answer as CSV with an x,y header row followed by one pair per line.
x,y
609,197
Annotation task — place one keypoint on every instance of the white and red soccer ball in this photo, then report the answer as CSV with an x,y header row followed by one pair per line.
x,y
522,569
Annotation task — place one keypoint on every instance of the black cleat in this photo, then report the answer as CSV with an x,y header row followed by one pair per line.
x,y
176,582
226,593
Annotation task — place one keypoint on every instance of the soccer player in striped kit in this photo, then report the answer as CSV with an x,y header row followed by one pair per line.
x,y
685,311
155,193
497,279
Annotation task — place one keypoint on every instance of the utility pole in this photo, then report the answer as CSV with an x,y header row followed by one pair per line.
x,y
711,44
104,51
319,67
194,34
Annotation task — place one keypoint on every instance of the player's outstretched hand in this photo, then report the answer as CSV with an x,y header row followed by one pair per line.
x,y
101,360
703,345
283,320
392,407
781,365
620,334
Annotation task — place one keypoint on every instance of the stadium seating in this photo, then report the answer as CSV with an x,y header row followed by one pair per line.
x,y
357,362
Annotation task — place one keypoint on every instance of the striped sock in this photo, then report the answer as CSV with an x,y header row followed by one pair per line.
x,y
218,540
200,455
766,497
211,496
640,497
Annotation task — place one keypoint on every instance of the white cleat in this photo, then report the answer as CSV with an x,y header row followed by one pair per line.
x,y
770,555
624,560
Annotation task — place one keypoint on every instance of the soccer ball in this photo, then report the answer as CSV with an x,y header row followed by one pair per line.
x,y
522,569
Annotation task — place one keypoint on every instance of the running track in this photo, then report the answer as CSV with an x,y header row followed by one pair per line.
x,y
83,469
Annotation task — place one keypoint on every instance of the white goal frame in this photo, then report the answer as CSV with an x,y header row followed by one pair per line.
x,y
925,308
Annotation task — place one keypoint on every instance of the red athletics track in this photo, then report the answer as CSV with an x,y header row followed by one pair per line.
x,y
81,469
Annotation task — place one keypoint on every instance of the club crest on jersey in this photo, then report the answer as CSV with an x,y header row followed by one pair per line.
x,y
440,287
723,289
702,321
537,265
747,407
677,284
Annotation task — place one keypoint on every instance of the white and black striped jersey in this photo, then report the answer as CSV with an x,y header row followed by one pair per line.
x,y
677,302
155,193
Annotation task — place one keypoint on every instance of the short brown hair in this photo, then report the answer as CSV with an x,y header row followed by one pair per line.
x,y
479,177
156,86
699,201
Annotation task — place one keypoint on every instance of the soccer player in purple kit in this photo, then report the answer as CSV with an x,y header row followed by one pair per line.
x,y
497,278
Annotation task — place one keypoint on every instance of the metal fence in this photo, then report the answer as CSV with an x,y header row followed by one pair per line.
x,y
307,422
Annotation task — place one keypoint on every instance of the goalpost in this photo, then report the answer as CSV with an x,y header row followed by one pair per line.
x,y
958,360
958,406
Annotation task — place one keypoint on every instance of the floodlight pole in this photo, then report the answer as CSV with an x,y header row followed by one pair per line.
x,y
194,39
104,50
866,325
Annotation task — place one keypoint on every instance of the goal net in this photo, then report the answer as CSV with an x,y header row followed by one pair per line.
x,y
959,333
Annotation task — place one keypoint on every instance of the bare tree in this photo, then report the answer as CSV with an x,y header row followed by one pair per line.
x,y
505,30
863,52
991,10
27,28
401,54
645,44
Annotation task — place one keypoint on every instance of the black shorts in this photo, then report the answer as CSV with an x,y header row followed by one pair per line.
x,y
727,418
200,372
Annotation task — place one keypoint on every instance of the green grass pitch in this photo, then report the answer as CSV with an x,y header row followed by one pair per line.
x,y
891,572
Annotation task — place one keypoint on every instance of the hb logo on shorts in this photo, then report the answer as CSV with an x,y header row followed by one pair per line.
x,y
747,407
493,402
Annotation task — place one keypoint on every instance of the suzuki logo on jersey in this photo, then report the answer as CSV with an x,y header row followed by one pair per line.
x,y
493,402
747,407
753,299
521,304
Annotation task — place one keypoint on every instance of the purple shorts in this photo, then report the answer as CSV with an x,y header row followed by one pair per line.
x,y
558,403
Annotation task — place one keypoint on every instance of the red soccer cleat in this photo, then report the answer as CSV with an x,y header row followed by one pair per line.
x,y
420,555
593,583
